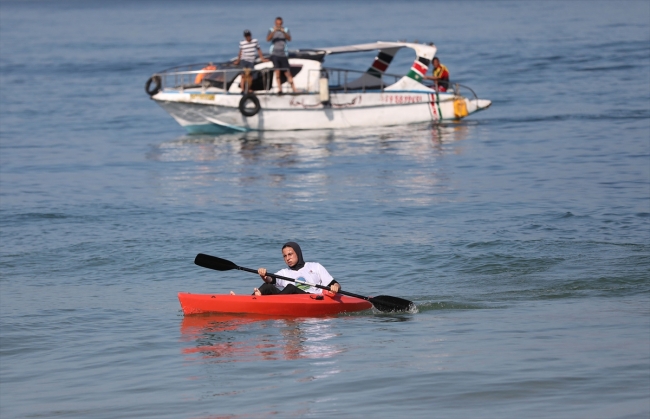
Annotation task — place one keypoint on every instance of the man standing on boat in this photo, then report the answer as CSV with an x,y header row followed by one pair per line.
x,y
440,75
247,49
279,36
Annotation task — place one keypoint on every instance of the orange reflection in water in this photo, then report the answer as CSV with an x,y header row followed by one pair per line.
x,y
247,338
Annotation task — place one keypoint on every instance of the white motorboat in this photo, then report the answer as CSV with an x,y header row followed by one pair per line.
x,y
207,98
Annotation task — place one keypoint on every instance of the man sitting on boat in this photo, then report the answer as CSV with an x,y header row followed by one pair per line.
x,y
440,75
209,68
279,36
310,272
247,49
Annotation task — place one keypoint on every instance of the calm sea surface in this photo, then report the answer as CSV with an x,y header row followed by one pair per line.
x,y
522,234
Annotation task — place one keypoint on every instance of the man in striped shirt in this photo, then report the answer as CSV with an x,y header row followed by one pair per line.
x,y
247,49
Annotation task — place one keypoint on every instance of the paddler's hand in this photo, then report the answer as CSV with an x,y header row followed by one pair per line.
x,y
335,287
262,272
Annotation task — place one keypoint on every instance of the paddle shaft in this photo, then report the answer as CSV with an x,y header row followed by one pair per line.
x,y
286,278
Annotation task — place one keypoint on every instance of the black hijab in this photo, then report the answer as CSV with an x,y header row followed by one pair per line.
x,y
298,251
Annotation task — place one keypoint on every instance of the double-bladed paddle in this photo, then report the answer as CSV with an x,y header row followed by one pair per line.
x,y
384,303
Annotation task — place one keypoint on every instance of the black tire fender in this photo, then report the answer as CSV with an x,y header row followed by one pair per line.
x,y
245,102
157,85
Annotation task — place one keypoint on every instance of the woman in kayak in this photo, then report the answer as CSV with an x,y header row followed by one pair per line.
x,y
311,272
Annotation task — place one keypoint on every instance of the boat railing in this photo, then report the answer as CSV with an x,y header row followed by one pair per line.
x,y
457,88
339,79
203,76
180,78
343,79
186,77
453,88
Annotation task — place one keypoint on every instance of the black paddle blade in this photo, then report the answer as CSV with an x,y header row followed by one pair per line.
x,y
386,303
212,262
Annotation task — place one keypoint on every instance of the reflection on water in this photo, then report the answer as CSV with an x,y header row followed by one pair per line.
x,y
291,147
312,166
245,338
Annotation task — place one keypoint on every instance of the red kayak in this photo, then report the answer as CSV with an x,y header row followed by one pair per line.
x,y
294,305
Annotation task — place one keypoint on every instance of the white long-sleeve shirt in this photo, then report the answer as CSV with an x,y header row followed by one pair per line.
x,y
312,272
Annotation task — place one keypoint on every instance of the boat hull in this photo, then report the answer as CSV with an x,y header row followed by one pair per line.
x,y
205,113
298,305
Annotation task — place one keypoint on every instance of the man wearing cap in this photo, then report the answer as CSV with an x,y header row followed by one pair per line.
x,y
247,49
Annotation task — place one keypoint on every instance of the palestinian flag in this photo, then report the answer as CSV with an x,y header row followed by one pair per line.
x,y
381,63
419,69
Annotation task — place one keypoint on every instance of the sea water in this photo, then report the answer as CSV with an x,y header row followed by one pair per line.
x,y
522,233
